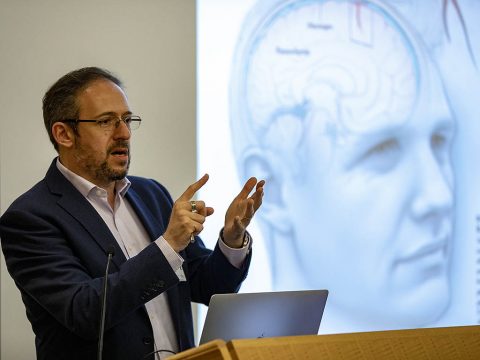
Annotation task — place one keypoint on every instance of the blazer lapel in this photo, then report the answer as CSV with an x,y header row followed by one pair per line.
x,y
151,223
74,203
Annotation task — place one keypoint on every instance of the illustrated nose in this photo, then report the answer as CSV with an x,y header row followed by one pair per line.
x,y
434,184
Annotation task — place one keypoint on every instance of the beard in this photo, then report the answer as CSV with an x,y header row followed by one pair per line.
x,y
105,172
101,170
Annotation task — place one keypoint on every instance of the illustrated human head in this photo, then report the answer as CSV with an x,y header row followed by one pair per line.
x,y
339,106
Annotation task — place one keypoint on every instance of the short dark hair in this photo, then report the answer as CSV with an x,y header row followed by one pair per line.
x,y
59,102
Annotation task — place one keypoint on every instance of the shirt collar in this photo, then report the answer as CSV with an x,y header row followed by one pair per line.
x,y
85,187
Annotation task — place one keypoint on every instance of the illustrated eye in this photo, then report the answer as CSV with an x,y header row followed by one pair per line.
x,y
382,157
438,141
383,147
440,144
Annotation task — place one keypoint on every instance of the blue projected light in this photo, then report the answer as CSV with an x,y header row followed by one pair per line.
x,y
352,113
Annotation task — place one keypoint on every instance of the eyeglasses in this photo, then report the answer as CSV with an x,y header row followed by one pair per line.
x,y
111,123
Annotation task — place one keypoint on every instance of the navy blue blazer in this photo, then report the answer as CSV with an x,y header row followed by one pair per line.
x,y
55,246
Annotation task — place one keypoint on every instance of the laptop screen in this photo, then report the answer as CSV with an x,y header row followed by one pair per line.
x,y
269,314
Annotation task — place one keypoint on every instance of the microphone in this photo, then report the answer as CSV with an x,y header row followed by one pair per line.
x,y
110,253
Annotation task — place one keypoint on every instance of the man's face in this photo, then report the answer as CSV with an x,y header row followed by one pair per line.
x,y
102,156
372,213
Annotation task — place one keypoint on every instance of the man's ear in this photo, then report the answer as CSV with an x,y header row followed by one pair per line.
x,y
63,134
266,165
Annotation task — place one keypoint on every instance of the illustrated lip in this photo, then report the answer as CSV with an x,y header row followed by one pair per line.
x,y
425,250
433,247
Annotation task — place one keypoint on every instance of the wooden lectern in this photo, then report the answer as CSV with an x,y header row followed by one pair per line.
x,y
452,343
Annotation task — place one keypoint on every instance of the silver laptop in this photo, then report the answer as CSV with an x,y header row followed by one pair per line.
x,y
269,314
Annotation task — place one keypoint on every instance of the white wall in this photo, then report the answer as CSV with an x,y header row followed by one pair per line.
x,y
149,44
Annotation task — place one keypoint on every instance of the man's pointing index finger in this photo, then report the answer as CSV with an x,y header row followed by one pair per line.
x,y
193,188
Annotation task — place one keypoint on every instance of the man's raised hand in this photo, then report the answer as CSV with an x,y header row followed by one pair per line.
x,y
241,211
183,221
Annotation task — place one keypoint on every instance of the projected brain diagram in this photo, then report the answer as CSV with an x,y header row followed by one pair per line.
x,y
340,108
305,57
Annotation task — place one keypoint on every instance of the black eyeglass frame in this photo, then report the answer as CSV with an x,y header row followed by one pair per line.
x,y
133,119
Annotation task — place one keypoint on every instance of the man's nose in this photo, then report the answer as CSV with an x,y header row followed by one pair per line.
x,y
121,130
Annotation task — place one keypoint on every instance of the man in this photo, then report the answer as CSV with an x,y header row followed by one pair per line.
x,y
56,236
340,108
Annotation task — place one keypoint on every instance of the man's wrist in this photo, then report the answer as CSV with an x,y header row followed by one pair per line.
x,y
245,241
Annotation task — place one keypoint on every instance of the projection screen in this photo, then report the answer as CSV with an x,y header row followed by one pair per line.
x,y
361,116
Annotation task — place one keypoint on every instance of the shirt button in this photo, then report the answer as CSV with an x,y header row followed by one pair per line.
x,y
147,340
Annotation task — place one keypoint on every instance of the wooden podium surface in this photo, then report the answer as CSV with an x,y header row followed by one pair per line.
x,y
456,343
